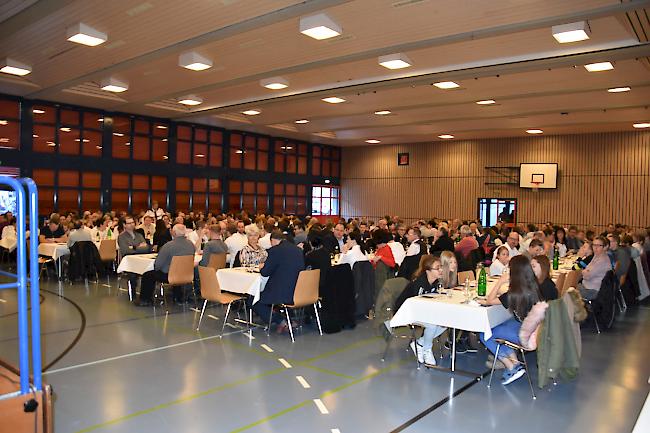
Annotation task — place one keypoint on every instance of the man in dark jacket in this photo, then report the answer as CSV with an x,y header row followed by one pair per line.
x,y
444,242
284,263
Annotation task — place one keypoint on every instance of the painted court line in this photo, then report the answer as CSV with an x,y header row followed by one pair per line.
x,y
284,362
267,348
129,355
321,406
303,382
213,317
335,430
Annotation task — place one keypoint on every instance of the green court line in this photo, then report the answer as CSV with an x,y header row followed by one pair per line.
x,y
323,395
339,350
330,372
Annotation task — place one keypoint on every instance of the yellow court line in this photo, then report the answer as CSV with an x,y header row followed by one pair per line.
x,y
310,401
330,372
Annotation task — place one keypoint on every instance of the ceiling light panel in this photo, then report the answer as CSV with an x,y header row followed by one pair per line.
x,y
190,100
446,85
194,61
534,131
275,83
382,112
572,32
319,27
373,141
85,35
619,89
395,61
251,112
14,67
446,136
599,67
641,125
333,100
486,102
301,121
114,85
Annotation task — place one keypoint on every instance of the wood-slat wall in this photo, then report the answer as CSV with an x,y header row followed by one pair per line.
x,y
602,178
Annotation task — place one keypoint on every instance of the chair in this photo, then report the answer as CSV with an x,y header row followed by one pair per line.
x,y
620,299
520,350
217,261
364,288
305,294
559,283
211,291
84,260
181,272
465,275
108,251
571,280
603,308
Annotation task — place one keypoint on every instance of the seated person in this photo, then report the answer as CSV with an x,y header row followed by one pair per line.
x,y
252,255
162,235
78,234
585,254
282,267
384,252
426,279
573,243
317,256
132,242
593,274
354,250
519,298
535,248
468,242
542,268
501,263
215,245
512,243
178,246
441,241
53,231
620,255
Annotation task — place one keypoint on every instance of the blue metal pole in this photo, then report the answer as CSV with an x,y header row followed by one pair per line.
x,y
23,336
8,286
34,282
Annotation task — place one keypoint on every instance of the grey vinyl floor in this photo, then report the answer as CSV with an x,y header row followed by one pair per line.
x,y
136,370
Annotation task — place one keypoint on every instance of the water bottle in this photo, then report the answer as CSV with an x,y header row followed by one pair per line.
x,y
109,233
482,283
466,290
556,260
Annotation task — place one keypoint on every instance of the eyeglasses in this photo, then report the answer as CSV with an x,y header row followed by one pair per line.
x,y
598,245
435,269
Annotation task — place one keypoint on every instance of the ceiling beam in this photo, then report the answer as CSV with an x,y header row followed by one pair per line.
x,y
289,12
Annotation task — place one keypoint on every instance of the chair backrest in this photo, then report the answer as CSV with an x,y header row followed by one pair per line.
x,y
306,291
108,250
181,270
388,294
571,280
217,261
210,289
561,278
462,276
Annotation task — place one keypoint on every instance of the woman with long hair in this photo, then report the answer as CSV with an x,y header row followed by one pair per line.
x,y
449,264
354,250
426,280
518,298
542,269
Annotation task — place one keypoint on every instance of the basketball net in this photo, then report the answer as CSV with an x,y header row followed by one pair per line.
x,y
535,186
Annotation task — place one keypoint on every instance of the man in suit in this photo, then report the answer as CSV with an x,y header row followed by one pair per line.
x,y
284,263
178,246
334,242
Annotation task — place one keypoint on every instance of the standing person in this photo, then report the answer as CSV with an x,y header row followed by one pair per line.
x,y
426,280
282,266
155,211
518,298
178,246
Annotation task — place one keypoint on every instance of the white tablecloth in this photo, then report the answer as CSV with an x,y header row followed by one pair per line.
x,y
141,263
450,312
8,243
53,250
237,280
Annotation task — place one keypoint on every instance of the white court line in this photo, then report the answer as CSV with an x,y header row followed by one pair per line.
x,y
4,301
128,355
335,430
321,406
196,310
303,382
213,317
267,348
284,362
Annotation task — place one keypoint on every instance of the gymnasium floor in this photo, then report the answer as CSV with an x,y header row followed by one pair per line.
x,y
134,370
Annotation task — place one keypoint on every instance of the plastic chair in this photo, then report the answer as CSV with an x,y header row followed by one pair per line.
x,y
211,291
181,272
305,294
466,275
217,261
108,251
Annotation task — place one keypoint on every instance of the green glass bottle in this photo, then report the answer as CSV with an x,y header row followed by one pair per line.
x,y
482,283
556,260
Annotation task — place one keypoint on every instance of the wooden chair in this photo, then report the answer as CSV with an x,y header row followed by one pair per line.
x,y
108,251
217,261
305,294
559,283
571,280
211,291
181,272
462,276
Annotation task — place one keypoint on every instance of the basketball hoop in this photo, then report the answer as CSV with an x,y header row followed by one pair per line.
x,y
535,186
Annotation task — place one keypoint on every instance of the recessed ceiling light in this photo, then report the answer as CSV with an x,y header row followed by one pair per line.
x,y
251,112
161,127
395,61
85,140
118,134
619,89
446,85
327,181
35,135
164,139
200,155
50,143
534,131
194,61
111,84
373,141
486,102
14,67
572,32
127,144
85,35
275,83
98,147
319,27
240,151
641,125
165,157
446,136
190,100
4,122
382,112
598,67
286,147
333,100
101,119
37,111
65,129
302,121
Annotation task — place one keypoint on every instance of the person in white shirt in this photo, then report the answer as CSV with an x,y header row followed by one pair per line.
x,y
512,243
398,251
155,212
236,241
501,263
265,240
353,251
100,232
148,227
193,237
416,246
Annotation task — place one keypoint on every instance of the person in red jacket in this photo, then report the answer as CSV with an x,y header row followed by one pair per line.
x,y
384,252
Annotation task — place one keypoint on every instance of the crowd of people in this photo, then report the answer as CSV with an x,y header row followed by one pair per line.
x,y
429,253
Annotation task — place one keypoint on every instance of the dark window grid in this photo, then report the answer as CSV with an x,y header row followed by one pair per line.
x,y
246,152
285,153
209,145
130,190
15,119
259,198
296,197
